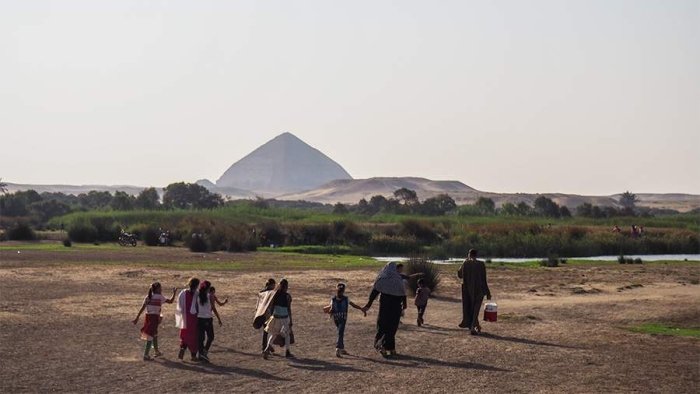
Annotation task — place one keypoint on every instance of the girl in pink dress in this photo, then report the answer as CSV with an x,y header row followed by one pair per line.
x,y
187,322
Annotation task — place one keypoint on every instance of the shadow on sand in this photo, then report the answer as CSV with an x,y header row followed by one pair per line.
x,y
321,365
446,298
409,361
221,370
522,340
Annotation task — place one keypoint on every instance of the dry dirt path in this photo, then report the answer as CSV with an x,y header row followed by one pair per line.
x,y
560,330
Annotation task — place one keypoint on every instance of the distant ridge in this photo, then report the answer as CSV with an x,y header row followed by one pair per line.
x,y
284,164
351,191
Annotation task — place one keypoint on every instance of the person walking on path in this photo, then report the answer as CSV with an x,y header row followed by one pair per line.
x,y
281,321
391,303
262,310
338,309
152,305
474,288
186,321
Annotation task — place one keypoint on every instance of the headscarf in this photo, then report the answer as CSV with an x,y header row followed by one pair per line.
x,y
389,281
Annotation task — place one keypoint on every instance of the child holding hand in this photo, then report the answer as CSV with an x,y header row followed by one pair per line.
x,y
338,309
152,304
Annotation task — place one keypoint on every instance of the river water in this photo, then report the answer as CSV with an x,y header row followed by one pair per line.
x,y
648,257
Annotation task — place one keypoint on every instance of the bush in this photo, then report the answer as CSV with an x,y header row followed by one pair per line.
x,y
150,236
387,245
67,243
82,232
628,260
197,243
421,230
552,261
21,232
430,271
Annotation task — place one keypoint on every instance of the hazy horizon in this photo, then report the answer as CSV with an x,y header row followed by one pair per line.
x,y
590,98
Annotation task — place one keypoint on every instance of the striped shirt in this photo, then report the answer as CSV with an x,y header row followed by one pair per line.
x,y
153,304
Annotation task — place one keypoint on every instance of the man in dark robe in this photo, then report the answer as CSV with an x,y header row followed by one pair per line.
x,y
474,288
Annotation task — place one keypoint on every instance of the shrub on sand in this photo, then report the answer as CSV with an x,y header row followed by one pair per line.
x,y
430,271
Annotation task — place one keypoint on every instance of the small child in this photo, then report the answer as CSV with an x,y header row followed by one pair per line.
x,y
422,295
212,292
338,309
152,304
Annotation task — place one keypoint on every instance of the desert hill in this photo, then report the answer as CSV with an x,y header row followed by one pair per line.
x,y
351,191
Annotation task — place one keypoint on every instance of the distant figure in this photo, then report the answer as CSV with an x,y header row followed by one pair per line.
x,y
205,310
338,309
281,321
215,299
616,229
262,311
634,232
421,301
474,287
641,231
187,322
391,303
406,278
152,304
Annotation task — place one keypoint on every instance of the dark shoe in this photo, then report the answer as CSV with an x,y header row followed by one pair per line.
x,y
288,354
463,325
181,353
203,357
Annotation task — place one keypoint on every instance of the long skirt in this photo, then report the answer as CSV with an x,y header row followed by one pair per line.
x,y
150,327
390,308
471,304
189,337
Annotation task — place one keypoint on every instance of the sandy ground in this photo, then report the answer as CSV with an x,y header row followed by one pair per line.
x,y
559,330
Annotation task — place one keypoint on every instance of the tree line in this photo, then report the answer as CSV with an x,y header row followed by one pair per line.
x,y
40,207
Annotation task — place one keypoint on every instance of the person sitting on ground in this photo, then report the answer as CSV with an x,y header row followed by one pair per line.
x,y
421,301
474,287
338,308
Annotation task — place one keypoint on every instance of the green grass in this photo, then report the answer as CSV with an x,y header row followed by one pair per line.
x,y
58,247
662,329
247,213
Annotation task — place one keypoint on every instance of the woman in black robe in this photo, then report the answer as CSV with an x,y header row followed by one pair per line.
x,y
392,301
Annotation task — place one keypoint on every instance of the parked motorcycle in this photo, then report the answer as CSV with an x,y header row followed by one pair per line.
x,y
126,239
164,238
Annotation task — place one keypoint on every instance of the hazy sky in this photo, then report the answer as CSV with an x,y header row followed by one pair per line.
x,y
587,97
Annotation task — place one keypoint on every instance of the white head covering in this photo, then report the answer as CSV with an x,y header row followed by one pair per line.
x,y
389,281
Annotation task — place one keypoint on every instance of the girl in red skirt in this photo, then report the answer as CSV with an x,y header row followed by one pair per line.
x,y
152,304
187,322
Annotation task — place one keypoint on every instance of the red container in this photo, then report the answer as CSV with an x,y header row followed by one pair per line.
x,y
491,312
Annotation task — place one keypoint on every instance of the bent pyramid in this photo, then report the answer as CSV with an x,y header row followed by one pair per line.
x,y
284,164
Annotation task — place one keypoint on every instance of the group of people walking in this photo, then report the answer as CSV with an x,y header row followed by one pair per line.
x,y
196,308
